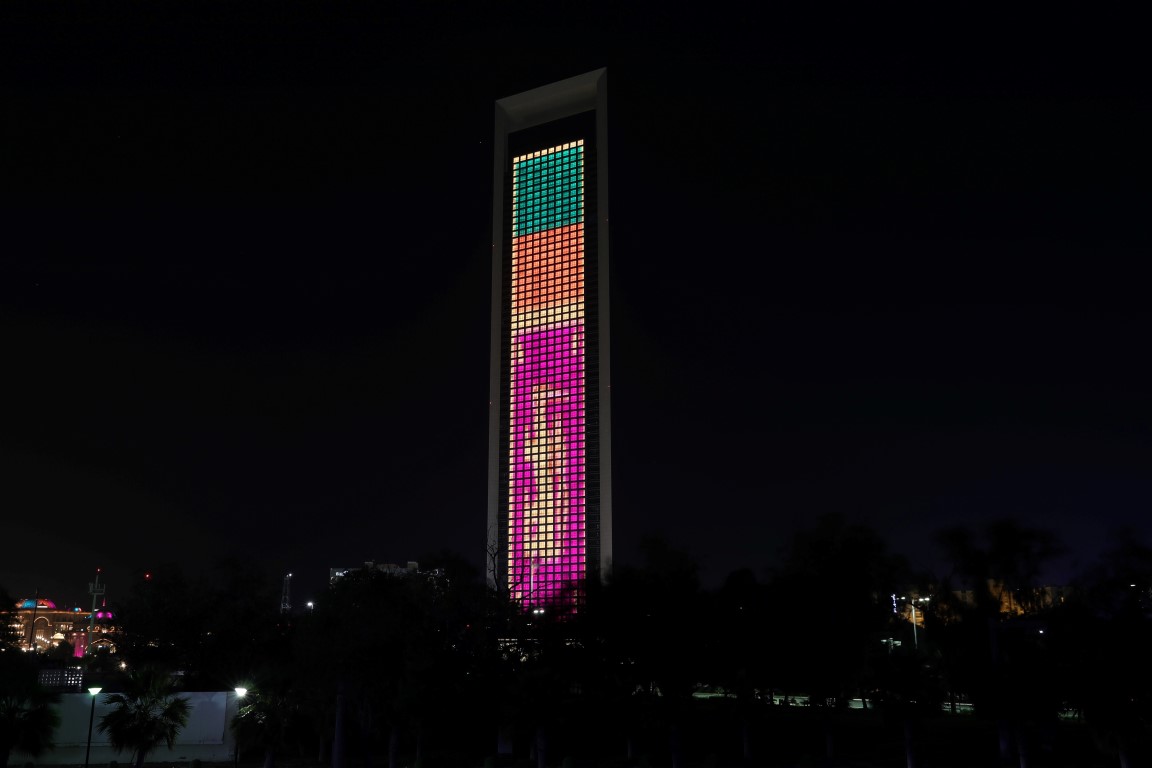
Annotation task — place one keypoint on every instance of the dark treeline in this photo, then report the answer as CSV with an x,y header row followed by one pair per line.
x,y
842,655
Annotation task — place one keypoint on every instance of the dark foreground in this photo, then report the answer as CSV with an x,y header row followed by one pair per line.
x,y
795,738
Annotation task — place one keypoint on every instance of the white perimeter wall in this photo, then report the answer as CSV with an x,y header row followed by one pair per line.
x,y
207,736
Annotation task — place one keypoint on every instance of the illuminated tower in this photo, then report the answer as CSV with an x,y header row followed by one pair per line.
x,y
549,472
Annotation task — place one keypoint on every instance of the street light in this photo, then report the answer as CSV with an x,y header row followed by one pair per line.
x,y
240,693
912,602
91,716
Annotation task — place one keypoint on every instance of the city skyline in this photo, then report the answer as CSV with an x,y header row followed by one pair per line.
x,y
873,268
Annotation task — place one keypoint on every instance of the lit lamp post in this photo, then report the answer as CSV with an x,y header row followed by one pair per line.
x,y
91,717
912,602
240,693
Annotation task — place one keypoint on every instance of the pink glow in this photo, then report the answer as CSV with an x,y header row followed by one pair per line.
x,y
547,483
546,449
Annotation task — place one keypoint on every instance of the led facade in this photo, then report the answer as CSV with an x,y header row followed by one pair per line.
x,y
549,503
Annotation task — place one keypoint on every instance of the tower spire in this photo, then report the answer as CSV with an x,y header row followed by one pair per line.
x,y
96,589
285,595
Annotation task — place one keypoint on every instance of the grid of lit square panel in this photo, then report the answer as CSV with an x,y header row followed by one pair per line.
x,y
546,450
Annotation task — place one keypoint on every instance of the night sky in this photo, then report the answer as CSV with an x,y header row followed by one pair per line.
x,y
887,265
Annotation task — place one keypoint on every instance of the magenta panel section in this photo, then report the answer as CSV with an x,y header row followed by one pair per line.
x,y
547,464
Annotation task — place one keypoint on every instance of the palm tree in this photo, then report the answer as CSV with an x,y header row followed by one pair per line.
x,y
270,719
27,721
147,713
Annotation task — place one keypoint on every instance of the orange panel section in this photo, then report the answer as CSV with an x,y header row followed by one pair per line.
x,y
548,269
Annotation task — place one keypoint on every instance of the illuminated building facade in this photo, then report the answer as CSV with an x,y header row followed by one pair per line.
x,y
411,568
40,625
549,490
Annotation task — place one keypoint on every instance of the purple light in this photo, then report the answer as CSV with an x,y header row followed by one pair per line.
x,y
546,450
546,521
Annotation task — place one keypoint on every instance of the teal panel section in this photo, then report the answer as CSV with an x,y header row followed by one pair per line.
x,y
548,191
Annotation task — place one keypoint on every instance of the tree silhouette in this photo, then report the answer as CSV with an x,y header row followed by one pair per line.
x,y
219,627
649,617
741,615
27,719
391,652
836,581
271,718
1106,645
1001,565
146,714
163,619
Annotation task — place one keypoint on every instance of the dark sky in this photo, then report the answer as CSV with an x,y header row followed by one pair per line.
x,y
887,265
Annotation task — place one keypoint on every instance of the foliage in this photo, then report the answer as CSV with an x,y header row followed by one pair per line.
x,y
836,581
1105,634
146,714
270,717
429,668
999,645
217,627
392,652
1001,563
648,618
27,719
162,618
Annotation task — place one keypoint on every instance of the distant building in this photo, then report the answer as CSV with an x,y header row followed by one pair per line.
x,y
1017,602
61,679
39,624
1008,603
549,481
411,568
